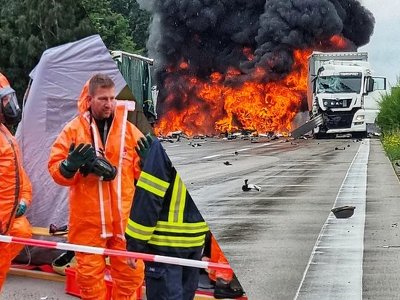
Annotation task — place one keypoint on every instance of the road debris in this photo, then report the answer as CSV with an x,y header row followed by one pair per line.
x,y
343,212
273,138
247,187
227,163
337,148
195,144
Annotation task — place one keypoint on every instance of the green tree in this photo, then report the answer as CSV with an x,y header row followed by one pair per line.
x,y
29,27
138,19
112,26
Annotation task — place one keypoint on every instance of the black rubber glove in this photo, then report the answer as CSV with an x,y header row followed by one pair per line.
x,y
77,157
143,148
101,167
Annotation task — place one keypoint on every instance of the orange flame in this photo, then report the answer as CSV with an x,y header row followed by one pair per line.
x,y
248,53
213,107
256,106
184,65
339,42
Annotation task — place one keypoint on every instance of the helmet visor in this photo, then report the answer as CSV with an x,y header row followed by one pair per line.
x,y
9,105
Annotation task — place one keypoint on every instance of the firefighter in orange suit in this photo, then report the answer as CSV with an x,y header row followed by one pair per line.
x,y
15,187
95,156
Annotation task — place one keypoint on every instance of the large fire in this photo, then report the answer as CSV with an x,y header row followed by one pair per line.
x,y
210,107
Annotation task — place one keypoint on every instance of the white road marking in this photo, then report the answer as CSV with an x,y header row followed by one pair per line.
x,y
273,169
288,185
335,267
211,156
240,150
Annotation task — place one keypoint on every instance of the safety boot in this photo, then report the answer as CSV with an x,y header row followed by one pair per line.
x,y
224,289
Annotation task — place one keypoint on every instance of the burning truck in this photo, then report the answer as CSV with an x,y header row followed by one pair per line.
x,y
224,66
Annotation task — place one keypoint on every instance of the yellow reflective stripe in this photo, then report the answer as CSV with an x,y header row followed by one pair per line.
x,y
178,200
148,229
152,184
138,231
150,189
177,241
182,201
158,181
136,235
199,227
174,196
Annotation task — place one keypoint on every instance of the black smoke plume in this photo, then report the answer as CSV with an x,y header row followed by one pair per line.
x,y
215,35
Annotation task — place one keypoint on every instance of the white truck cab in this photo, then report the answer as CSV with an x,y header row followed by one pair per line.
x,y
342,89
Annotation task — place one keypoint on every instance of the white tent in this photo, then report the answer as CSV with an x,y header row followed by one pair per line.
x,y
51,102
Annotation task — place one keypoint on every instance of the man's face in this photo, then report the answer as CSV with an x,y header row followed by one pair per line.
x,y
102,103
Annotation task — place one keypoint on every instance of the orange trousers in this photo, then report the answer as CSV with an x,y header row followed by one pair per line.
x,y
19,228
217,256
91,268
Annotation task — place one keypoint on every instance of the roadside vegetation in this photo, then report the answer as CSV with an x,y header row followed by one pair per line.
x,y
29,27
389,122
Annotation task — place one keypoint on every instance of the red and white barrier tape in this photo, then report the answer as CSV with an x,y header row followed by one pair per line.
x,y
120,253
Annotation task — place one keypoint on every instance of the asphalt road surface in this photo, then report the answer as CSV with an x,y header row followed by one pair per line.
x,y
283,241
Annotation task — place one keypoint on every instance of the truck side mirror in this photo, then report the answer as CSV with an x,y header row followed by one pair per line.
x,y
370,85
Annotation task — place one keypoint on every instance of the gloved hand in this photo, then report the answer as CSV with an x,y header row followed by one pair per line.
x,y
21,209
77,157
101,167
143,148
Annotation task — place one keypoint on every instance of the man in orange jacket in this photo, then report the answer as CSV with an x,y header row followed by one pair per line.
x,y
15,186
95,156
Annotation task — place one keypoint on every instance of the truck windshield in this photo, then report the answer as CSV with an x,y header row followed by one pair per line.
x,y
339,84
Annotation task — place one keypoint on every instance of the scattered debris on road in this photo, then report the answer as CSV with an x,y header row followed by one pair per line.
x,y
343,212
391,246
194,144
247,187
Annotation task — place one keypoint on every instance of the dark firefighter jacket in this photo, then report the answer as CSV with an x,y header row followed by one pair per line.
x,y
163,216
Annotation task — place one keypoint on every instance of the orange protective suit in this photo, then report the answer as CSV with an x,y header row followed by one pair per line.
x,y
99,209
217,256
14,187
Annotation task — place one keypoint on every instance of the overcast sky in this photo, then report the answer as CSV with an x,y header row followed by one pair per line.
x,y
384,46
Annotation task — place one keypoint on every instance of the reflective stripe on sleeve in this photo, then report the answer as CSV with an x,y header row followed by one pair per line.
x,y
178,201
152,184
138,231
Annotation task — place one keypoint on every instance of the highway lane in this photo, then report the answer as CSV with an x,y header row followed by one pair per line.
x,y
270,237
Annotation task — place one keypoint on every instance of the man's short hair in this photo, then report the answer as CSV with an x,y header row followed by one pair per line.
x,y
100,80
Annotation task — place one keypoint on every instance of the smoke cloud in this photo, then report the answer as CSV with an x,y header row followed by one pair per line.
x,y
218,36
